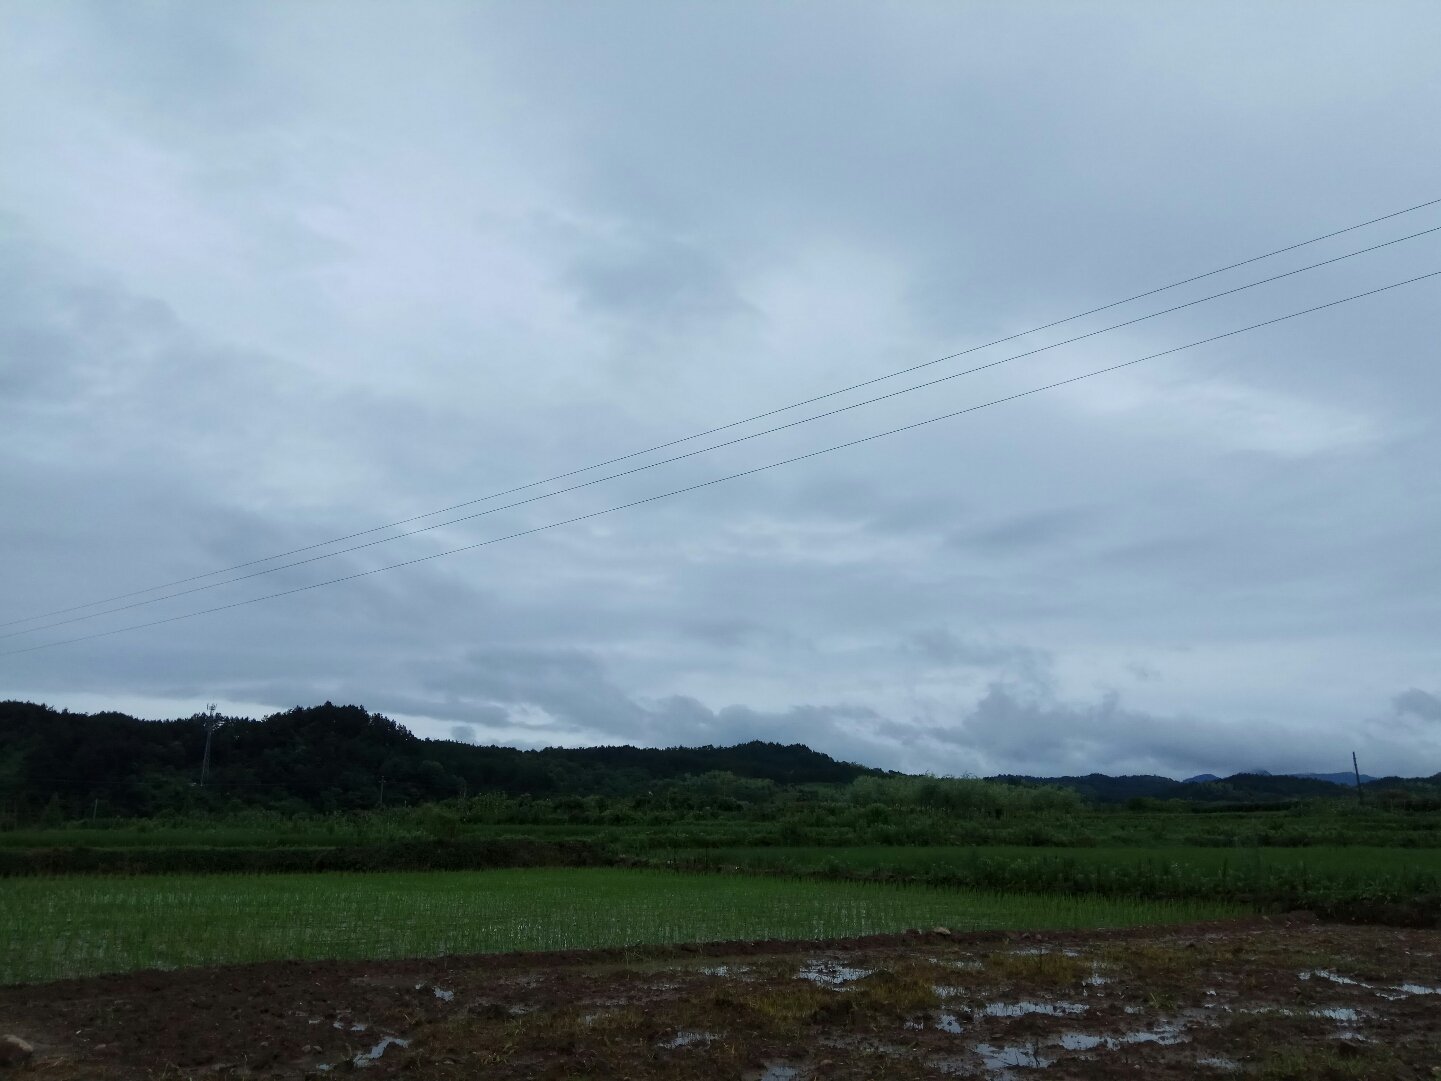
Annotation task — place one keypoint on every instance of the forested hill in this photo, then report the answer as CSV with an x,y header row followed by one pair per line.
x,y
335,758
341,758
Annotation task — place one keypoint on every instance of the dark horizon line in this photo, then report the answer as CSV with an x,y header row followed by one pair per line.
x,y
201,715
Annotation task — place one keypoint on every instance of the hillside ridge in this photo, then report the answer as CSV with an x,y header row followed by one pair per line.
x,y
331,757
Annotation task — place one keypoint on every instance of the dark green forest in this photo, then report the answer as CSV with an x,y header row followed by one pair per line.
x,y
56,765
333,758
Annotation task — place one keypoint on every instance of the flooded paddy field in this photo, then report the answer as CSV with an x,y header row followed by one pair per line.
x,y
78,925
1264,998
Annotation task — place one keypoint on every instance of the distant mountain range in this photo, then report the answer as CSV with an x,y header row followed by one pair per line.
x,y
1334,778
1256,787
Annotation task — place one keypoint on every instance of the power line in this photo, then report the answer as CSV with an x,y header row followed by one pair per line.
x,y
694,453
723,427
721,480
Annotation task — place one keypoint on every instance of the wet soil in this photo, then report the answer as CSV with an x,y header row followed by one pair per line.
x,y
1284,998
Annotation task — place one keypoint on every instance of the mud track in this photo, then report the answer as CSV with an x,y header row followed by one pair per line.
x,y
1290,998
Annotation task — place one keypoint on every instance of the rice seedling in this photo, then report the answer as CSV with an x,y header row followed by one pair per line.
x,y
79,925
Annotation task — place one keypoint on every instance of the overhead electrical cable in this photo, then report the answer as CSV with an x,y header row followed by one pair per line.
x,y
735,423
694,453
721,480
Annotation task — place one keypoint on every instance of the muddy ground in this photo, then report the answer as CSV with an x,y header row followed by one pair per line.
x,y
1284,998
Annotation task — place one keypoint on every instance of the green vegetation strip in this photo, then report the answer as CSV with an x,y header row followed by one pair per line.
x,y
1351,861
469,855
1296,877
74,926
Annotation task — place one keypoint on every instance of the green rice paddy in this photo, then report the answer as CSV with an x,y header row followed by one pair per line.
x,y
79,925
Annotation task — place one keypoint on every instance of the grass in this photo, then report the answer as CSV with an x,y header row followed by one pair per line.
x,y
1302,875
79,925
292,833
1347,859
1310,1062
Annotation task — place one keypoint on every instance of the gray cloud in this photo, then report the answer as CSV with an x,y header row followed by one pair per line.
x,y
939,646
655,280
1418,703
272,275
1021,729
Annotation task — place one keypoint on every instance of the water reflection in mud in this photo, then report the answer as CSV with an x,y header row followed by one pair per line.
x,y
368,1058
1021,1009
777,1071
831,973
688,1037
1000,1058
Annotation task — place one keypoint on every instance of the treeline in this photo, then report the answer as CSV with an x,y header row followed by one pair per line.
x,y
58,767
330,759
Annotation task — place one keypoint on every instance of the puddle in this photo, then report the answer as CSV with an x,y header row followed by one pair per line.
x,y
1001,1058
1021,1009
687,1038
725,970
1399,991
947,1022
368,1058
358,1026
1339,1014
1326,974
1165,1034
831,973
439,992
777,1071
1041,951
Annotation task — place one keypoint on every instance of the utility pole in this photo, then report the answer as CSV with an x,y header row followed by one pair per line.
x,y
209,731
1357,770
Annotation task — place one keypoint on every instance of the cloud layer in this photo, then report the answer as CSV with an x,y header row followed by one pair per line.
x,y
274,274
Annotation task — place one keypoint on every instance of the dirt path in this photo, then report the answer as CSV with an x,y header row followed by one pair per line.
x,y
1284,999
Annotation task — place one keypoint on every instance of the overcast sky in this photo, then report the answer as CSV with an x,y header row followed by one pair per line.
x,y
273,273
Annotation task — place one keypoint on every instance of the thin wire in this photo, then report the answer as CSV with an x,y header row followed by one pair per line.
x,y
724,479
723,427
695,453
